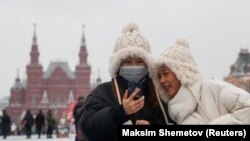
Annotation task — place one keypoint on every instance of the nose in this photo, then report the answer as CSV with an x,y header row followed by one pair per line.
x,y
162,80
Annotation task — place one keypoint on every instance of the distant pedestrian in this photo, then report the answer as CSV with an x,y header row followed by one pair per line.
x,y
50,124
6,123
40,122
28,122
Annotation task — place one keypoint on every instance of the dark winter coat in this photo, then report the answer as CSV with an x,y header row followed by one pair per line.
x,y
40,120
28,121
50,121
102,115
6,124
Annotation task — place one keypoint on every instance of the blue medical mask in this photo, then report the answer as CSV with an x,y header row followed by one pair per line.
x,y
133,73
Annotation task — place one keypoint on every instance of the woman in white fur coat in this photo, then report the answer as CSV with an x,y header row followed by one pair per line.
x,y
193,101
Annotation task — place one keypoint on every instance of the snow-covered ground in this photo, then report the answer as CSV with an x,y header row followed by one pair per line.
x,y
34,138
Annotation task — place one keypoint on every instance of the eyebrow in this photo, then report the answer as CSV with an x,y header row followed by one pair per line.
x,y
128,59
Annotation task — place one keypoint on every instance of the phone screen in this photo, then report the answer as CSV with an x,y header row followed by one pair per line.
x,y
131,88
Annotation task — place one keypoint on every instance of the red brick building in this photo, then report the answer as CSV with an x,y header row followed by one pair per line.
x,y
54,88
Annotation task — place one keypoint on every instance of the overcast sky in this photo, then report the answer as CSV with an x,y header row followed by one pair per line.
x,y
215,30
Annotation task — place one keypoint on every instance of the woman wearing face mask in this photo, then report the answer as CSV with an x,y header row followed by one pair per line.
x,y
110,104
193,101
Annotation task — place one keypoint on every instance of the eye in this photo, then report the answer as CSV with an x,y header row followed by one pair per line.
x,y
139,60
159,76
127,61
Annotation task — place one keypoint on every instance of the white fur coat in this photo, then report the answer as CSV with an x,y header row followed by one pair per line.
x,y
210,102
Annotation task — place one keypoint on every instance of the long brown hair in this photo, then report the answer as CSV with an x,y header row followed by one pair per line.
x,y
114,90
152,94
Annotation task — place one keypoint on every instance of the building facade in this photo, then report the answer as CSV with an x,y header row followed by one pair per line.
x,y
53,89
240,71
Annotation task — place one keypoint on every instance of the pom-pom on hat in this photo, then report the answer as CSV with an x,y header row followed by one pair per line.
x,y
130,44
178,58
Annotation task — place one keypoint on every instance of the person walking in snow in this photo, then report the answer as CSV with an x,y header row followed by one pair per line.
x,y
40,122
6,124
27,123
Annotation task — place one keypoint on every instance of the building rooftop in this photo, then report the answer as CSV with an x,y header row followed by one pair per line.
x,y
242,64
63,65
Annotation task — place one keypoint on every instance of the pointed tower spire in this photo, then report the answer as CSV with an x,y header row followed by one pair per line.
x,y
83,50
17,84
83,44
17,77
34,40
82,71
34,53
98,80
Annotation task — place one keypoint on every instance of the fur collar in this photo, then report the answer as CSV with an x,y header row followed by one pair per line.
x,y
185,102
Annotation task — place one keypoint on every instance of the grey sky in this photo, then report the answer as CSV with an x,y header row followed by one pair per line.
x,y
215,30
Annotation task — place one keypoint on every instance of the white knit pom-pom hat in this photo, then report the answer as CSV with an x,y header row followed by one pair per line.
x,y
130,44
179,60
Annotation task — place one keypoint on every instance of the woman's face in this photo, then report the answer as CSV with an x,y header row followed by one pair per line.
x,y
133,61
168,81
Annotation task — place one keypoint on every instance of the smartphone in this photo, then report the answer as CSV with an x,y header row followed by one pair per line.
x,y
131,88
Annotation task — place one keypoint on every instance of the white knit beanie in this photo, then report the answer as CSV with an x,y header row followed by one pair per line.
x,y
179,60
130,44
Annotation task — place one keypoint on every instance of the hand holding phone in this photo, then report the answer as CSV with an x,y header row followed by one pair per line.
x,y
132,86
